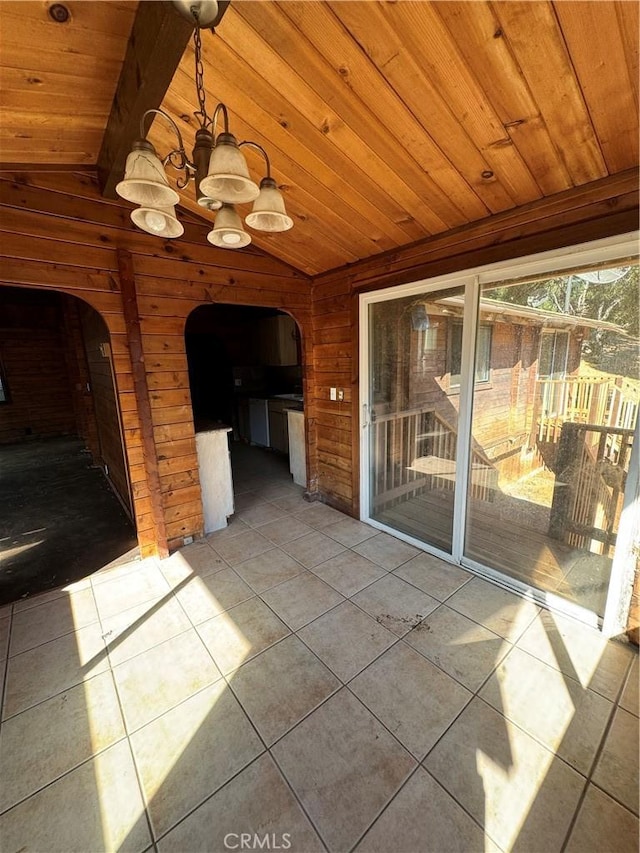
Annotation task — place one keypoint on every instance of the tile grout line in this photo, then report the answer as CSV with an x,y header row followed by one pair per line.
x,y
264,749
338,688
267,749
284,776
5,674
64,774
100,622
596,759
476,695
94,753
342,684
463,807
209,796
386,806
116,689
128,732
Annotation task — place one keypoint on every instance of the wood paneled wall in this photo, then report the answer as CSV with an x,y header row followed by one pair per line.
x,y
335,361
103,392
601,209
34,356
86,424
57,233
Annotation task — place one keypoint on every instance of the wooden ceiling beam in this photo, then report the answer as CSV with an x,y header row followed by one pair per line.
x,y
157,42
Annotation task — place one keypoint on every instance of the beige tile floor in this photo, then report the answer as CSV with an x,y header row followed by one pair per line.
x,y
302,678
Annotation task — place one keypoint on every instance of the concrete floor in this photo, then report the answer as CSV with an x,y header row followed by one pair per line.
x,y
303,678
59,518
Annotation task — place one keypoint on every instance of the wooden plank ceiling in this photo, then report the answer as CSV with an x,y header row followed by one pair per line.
x,y
385,122
57,80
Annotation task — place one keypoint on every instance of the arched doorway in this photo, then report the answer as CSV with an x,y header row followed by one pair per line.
x,y
246,373
65,498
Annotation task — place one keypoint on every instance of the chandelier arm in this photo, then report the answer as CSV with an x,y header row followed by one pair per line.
x,y
182,183
220,108
259,148
168,118
178,160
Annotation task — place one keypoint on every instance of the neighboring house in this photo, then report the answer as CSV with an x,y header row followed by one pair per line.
x,y
522,356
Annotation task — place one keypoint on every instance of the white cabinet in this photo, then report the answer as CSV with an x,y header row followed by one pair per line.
x,y
278,340
278,433
259,422
297,447
216,483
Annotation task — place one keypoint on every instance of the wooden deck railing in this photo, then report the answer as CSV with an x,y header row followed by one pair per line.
x,y
623,404
591,470
415,451
601,401
575,400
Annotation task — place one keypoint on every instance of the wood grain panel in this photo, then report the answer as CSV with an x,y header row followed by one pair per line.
x,y
55,100
629,23
357,153
37,377
594,203
157,40
441,92
388,122
105,401
319,42
259,105
475,31
602,71
551,78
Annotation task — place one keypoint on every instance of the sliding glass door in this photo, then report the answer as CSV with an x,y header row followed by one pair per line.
x,y
554,416
498,418
415,358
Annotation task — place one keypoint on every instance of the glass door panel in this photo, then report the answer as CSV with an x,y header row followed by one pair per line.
x,y
415,347
552,429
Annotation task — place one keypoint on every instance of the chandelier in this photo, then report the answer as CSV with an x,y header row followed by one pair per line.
x,y
217,167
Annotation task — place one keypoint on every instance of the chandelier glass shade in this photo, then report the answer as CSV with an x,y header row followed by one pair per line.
x,y
228,177
268,213
227,232
145,181
161,221
217,167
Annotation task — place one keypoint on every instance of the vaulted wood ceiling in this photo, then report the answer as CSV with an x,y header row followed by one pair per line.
x,y
385,122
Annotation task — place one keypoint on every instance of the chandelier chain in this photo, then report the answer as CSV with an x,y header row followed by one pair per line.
x,y
201,115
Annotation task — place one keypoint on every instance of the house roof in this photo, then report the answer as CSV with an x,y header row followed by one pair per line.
x,y
495,309
385,122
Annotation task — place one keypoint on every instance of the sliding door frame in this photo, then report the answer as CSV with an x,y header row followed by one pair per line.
x,y
610,250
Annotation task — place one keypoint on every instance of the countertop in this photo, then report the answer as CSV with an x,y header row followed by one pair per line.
x,y
203,425
248,395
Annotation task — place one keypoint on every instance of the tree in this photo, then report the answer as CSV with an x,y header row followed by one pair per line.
x,y
616,302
